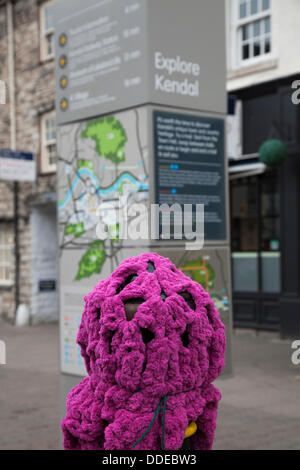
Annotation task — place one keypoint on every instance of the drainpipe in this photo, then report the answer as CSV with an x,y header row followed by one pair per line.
x,y
11,74
13,141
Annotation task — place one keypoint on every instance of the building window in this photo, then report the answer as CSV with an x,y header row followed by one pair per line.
x,y
255,234
47,30
48,138
6,255
253,29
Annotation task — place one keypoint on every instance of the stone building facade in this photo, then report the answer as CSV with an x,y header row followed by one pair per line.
x,y
27,69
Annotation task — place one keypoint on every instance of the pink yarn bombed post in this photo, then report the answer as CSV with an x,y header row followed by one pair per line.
x,y
153,343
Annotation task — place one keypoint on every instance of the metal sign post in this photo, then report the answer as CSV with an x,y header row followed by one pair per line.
x,y
17,253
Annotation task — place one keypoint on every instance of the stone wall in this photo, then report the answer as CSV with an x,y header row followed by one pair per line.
x,y
34,95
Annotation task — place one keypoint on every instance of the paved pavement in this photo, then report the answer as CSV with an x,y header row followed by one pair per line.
x,y
259,409
29,388
260,403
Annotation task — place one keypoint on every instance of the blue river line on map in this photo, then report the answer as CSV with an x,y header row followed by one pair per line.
x,y
113,187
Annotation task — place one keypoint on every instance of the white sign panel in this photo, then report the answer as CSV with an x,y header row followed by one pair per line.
x,y
17,166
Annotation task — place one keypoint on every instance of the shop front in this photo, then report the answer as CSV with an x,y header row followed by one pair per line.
x,y
265,222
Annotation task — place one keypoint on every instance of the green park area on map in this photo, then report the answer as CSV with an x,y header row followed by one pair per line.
x,y
107,161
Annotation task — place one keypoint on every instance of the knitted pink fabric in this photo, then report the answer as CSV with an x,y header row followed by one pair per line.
x,y
173,346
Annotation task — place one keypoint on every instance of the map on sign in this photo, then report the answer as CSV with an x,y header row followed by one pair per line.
x,y
208,267
203,272
211,268
101,162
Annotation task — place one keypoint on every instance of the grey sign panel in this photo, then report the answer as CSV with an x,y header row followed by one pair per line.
x,y
187,54
116,62
100,57
112,55
189,166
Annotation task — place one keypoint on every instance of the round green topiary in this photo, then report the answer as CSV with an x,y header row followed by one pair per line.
x,y
272,152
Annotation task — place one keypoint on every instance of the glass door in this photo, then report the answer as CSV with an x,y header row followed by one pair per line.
x,y
270,234
255,234
244,234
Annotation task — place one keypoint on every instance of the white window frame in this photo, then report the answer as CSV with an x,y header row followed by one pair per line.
x,y
44,33
45,166
7,281
236,38
235,140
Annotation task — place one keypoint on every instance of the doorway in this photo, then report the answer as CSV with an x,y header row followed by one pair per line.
x,y
44,264
256,251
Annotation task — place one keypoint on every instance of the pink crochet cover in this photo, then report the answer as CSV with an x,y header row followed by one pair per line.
x,y
160,364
